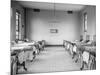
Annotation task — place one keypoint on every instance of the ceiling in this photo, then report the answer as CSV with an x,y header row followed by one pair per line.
x,y
50,6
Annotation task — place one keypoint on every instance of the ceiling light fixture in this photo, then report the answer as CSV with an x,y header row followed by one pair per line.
x,y
54,8
54,20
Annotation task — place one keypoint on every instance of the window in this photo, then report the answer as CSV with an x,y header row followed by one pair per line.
x,y
18,25
85,22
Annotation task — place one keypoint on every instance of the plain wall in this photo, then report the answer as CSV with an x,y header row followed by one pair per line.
x,y
38,25
16,6
91,21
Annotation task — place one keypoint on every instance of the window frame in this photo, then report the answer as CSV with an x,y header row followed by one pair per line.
x,y
85,22
18,18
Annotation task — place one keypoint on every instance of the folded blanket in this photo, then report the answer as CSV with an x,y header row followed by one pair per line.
x,y
85,56
74,49
21,57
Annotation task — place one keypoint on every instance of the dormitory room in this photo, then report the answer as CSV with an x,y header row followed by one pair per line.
x,y
52,37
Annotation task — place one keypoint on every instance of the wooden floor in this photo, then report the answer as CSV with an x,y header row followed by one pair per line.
x,y
52,59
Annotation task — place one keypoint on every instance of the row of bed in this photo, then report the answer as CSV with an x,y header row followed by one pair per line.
x,y
83,52
22,51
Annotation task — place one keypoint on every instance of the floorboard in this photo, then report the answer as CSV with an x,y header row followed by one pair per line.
x,y
52,59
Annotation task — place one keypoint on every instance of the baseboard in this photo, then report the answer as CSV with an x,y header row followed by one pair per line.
x,y
53,45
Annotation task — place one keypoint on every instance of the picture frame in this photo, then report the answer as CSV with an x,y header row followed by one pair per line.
x,y
53,30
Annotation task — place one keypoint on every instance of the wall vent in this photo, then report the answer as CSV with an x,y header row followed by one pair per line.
x,y
70,12
36,10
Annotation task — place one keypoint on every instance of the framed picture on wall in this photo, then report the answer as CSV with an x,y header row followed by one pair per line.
x,y
53,30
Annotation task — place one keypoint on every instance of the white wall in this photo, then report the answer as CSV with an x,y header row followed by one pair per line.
x,y
91,21
38,25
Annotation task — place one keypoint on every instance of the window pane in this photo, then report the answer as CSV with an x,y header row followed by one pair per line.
x,y
16,37
19,35
16,22
16,28
85,22
16,32
16,15
18,25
